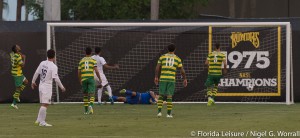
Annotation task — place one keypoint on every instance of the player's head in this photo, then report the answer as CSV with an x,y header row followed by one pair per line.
x,y
15,48
171,48
217,46
88,51
97,50
50,54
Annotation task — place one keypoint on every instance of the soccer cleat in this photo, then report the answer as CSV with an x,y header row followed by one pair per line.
x,y
159,114
14,106
169,116
123,91
45,125
111,100
91,110
36,123
106,92
210,101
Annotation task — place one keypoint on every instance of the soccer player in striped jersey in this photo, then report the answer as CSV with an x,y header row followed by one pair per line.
x,y
101,63
86,68
168,63
214,62
17,63
47,71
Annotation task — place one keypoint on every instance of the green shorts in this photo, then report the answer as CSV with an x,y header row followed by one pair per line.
x,y
212,80
88,86
19,80
166,88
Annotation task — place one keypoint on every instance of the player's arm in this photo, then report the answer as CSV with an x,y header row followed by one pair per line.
x,y
36,74
57,80
111,67
98,74
225,66
79,76
157,70
183,75
153,97
23,59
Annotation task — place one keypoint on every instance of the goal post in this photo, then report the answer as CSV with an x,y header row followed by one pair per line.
x,y
258,56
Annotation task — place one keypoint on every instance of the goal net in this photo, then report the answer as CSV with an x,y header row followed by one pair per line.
x,y
258,57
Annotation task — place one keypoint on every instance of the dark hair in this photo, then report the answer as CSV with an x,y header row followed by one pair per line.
x,y
14,48
171,48
97,50
88,51
50,53
217,46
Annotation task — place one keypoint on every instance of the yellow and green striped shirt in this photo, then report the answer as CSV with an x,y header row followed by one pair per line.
x,y
86,67
16,64
169,64
215,60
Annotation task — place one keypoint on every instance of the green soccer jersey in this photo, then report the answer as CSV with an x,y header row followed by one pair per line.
x,y
169,64
86,67
215,60
16,64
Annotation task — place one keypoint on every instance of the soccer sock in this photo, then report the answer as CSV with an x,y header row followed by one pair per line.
x,y
169,105
16,96
159,103
42,115
22,87
115,98
100,94
128,92
85,103
214,91
92,100
209,92
109,90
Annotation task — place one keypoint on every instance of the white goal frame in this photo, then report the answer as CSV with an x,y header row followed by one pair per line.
x,y
289,66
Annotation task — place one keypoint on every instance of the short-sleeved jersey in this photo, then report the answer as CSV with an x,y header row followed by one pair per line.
x,y
100,63
47,71
215,60
86,67
169,64
16,62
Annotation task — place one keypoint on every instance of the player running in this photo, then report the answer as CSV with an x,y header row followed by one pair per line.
x,y
47,71
17,63
214,62
100,64
168,63
86,68
132,97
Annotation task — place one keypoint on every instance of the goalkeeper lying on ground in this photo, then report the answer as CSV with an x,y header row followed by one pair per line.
x,y
132,97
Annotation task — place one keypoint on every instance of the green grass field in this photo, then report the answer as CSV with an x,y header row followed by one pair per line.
x,y
122,120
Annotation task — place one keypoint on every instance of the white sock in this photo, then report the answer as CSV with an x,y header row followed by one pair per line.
x,y
42,115
109,90
100,94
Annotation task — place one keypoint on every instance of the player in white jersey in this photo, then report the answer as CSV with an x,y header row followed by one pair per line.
x,y
47,71
101,63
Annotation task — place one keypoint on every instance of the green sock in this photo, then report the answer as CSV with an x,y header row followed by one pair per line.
x,y
16,96
169,105
209,92
214,92
92,100
159,103
85,103
22,87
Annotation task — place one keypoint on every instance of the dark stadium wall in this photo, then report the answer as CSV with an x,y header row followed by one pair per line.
x,y
31,36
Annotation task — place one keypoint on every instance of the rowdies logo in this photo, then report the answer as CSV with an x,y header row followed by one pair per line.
x,y
237,37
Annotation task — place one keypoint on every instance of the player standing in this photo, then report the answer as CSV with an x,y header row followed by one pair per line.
x,y
100,64
17,63
47,71
214,62
168,63
86,68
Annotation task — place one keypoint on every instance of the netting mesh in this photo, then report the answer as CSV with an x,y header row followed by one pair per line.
x,y
137,49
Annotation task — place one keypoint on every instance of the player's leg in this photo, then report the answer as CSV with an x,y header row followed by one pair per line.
x,y
91,92
162,92
20,83
118,99
170,93
85,96
45,100
100,90
209,85
128,92
110,94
